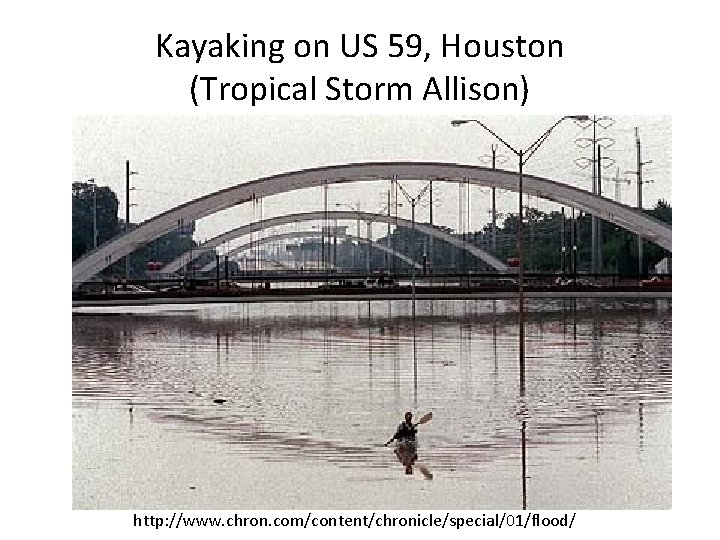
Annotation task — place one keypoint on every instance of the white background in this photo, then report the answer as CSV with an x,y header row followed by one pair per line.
x,y
72,58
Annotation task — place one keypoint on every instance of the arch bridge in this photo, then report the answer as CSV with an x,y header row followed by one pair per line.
x,y
629,218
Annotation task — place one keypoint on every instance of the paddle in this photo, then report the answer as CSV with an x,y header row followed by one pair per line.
x,y
424,419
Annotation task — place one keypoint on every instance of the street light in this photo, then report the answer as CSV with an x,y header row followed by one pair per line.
x,y
413,202
523,156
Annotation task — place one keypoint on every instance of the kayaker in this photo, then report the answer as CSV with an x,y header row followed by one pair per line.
x,y
405,431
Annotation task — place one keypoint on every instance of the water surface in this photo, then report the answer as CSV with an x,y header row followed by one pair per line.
x,y
288,405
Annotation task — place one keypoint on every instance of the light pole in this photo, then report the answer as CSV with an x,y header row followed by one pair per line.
x,y
413,202
523,157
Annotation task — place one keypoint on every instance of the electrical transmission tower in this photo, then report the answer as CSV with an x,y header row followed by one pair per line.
x,y
598,163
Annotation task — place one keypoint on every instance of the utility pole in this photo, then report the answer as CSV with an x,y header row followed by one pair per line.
x,y
217,271
127,214
618,181
325,251
593,221
95,229
390,242
573,243
639,173
599,221
128,174
468,220
494,208
394,201
359,234
430,240
531,222
367,246
127,193
462,194
562,243
334,251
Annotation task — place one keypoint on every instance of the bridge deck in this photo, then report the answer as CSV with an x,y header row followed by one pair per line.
x,y
355,294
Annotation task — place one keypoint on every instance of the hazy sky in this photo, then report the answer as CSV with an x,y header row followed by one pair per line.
x,y
180,158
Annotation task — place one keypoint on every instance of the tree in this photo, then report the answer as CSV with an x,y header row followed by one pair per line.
x,y
88,199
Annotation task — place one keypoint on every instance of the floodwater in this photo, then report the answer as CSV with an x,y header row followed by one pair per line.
x,y
287,406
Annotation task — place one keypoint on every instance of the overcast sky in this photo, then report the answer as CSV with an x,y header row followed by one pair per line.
x,y
180,158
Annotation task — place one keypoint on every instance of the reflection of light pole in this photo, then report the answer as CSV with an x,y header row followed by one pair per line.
x,y
524,464
523,156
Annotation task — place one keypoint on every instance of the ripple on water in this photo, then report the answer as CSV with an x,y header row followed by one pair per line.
x,y
329,382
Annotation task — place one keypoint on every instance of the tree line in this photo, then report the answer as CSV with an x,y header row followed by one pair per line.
x,y
544,235
99,204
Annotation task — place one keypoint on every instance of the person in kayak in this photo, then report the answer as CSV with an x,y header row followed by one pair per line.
x,y
406,431
406,449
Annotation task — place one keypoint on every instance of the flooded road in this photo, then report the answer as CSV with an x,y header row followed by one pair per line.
x,y
271,406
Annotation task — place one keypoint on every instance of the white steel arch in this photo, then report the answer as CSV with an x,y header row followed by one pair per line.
x,y
311,234
629,218
250,228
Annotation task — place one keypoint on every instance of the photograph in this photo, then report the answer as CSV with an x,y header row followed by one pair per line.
x,y
368,312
